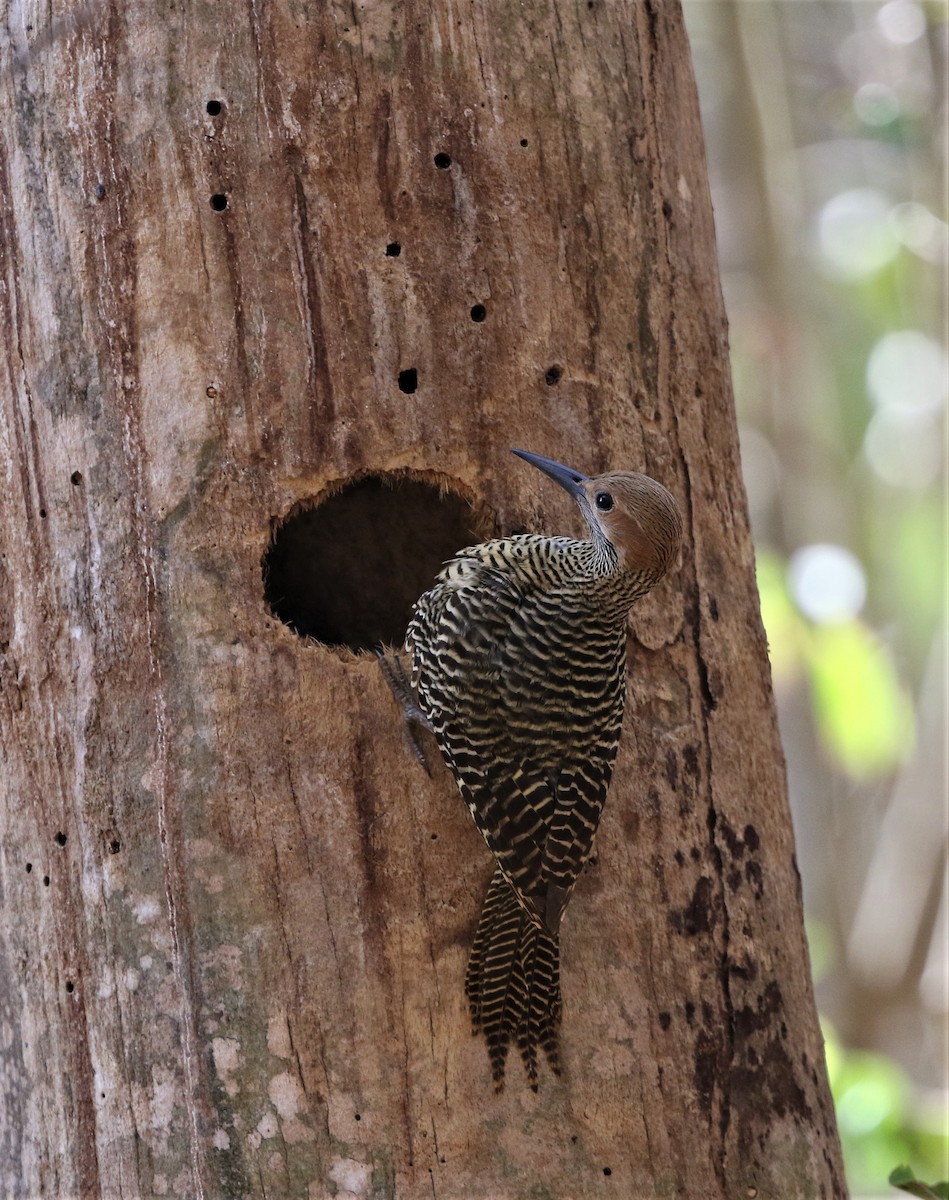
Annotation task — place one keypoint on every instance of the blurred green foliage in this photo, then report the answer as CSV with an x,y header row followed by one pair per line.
x,y
881,1123
904,1179
864,717
825,126
863,714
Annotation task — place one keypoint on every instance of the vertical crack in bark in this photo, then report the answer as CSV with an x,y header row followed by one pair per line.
x,y
11,316
171,868
322,407
728,1057
300,818
722,1056
236,275
261,73
367,804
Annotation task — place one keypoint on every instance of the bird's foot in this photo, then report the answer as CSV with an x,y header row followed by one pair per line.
x,y
393,672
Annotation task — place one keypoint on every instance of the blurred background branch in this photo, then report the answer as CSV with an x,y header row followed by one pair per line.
x,y
826,131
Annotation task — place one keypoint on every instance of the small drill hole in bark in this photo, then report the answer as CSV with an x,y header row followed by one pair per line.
x,y
552,375
114,846
70,986
75,478
393,250
42,514
442,161
29,868
478,312
214,108
60,839
45,881
523,141
219,202
408,380
347,569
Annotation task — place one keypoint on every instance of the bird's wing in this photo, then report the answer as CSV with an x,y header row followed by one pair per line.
x,y
458,640
581,794
532,764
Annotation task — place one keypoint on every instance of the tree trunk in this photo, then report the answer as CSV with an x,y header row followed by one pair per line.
x,y
329,262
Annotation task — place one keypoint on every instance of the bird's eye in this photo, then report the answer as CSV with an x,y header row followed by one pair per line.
x,y
604,501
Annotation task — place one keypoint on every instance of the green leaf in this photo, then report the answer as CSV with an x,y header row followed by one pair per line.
x,y
903,1178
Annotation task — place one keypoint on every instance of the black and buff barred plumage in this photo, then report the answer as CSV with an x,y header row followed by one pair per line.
x,y
518,660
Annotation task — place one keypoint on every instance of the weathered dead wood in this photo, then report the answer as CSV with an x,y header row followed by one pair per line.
x,y
235,911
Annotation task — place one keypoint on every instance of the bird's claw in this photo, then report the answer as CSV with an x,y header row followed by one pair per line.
x,y
393,672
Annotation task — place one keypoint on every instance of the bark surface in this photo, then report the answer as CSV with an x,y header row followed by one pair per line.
x,y
235,912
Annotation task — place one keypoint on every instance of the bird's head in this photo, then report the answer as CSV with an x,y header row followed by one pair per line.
x,y
636,515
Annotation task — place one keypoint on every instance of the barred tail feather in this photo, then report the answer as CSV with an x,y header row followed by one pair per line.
x,y
513,984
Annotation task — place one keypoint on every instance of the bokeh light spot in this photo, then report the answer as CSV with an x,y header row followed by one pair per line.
x,y
921,231
876,104
827,582
901,448
908,370
902,21
855,234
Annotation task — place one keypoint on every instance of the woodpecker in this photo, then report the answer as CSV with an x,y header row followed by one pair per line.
x,y
518,658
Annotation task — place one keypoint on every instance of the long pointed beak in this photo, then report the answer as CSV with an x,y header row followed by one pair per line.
x,y
570,480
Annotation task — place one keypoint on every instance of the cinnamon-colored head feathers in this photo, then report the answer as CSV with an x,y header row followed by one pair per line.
x,y
635,514
638,517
